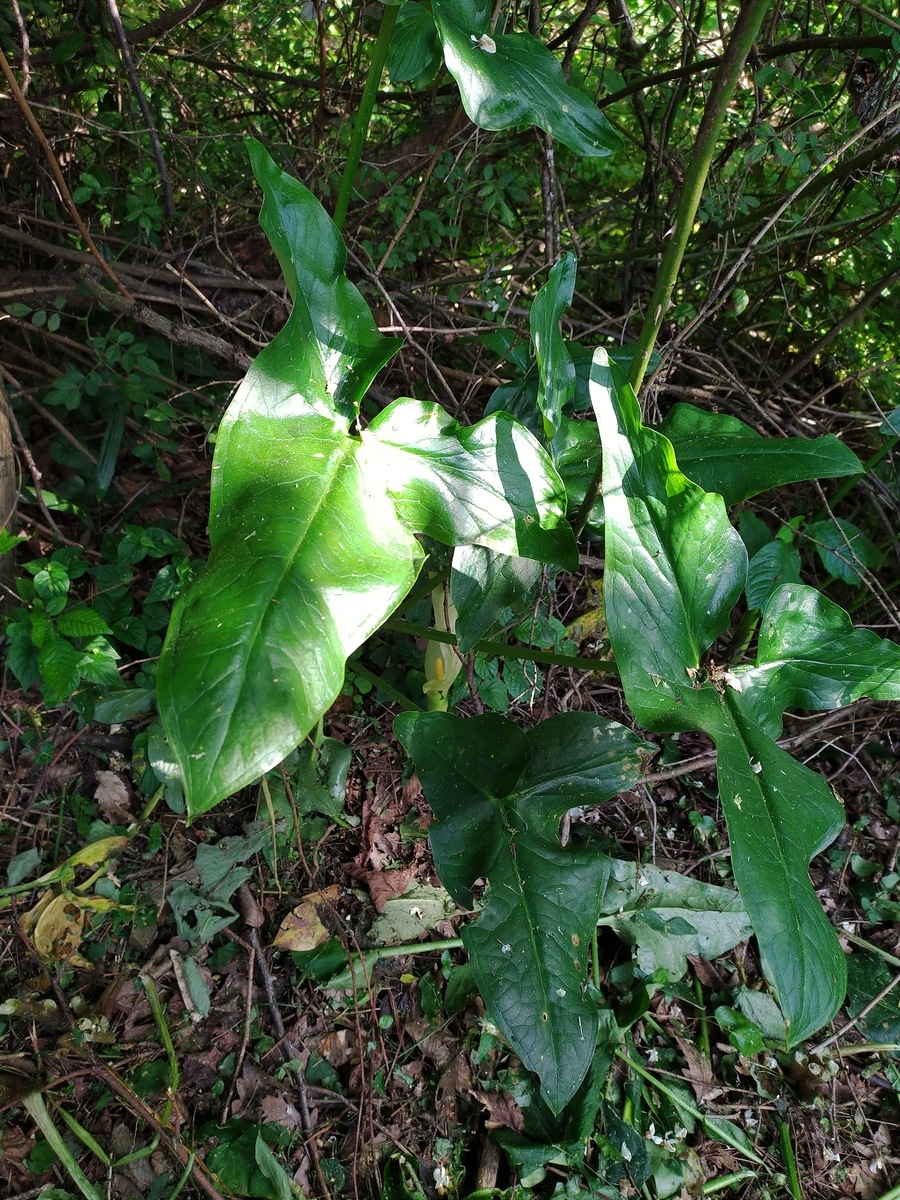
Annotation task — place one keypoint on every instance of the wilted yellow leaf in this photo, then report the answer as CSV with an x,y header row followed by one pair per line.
x,y
58,931
302,928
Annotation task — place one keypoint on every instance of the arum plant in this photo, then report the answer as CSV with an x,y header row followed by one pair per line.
x,y
321,524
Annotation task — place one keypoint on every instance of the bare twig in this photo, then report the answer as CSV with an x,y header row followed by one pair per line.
x,y
119,30
289,1054
58,177
180,335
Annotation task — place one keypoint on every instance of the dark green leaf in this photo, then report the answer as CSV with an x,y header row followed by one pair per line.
x,y
483,584
776,563
844,549
414,43
498,794
811,656
81,622
722,454
780,814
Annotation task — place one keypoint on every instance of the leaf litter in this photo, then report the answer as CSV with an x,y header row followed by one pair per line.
x,y
405,1066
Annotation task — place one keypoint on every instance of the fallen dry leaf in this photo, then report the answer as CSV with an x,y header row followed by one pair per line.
x,y
302,928
58,931
502,1111
113,798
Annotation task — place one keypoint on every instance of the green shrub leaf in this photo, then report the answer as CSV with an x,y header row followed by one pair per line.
x,y
556,371
484,584
844,549
810,656
312,529
780,814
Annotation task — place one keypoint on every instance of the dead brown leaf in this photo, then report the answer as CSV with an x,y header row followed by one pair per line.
x,y
699,1072
276,1110
502,1111
113,798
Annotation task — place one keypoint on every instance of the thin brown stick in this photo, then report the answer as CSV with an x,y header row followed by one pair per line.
x,y
289,1054
245,1037
179,335
119,29
58,177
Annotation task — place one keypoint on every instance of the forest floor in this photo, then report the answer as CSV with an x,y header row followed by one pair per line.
x,y
206,1001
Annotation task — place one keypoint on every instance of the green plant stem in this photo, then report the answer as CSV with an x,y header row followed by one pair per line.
x,y
704,1023
159,1017
790,1163
746,27
726,1181
872,948
37,1110
364,114
721,1132
503,650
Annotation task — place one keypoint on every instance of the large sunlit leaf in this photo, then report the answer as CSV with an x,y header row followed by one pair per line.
x,y
498,794
482,484
312,529
346,349
724,455
810,656
674,564
509,80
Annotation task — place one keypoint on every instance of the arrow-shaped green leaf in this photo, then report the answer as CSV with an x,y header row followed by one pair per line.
x,y
724,455
811,656
498,794
312,529
674,564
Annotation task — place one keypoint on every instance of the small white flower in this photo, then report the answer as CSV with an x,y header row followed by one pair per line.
x,y
643,881
755,766
652,1057
506,948
485,43
441,1177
